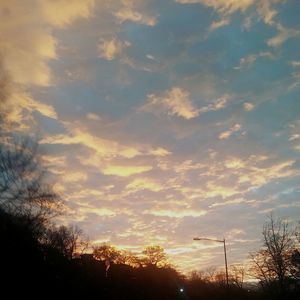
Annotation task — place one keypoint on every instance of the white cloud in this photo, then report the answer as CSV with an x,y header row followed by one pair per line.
x,y
150,57
111,48
124,171
265,10
217,24
27,44
144,183
295,63
248,106
129,12
283,35
174,102
179,213
226,134
246,62
222,6
294,137
93,117
103,147
218,104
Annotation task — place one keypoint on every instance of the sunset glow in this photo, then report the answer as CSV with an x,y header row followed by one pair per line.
x,y
161,120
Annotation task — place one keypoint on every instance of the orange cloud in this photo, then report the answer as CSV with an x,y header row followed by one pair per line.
x,y
173,102
124,171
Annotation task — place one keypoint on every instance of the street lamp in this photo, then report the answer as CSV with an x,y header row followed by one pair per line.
x,y
219,241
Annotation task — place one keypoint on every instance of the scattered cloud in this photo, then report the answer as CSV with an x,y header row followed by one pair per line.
x,y
144,183
34,21
220,103
103,147
265,10
177,102
28,44
248,106
222,6
21,106
174,102
226,134
124,171
93,117
160,152
217,24
283,35
176,213
247,62
294,137
111,48
74,176
128,12
295,63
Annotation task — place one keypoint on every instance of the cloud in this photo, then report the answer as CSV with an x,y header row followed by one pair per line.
x,y
103,147
124,171
214,189
174,102
93,117
111,48
247,62
74,176
179,213
222,6
234,163
266,12
229,202
217,24
259,176
129,12
264,8
226,134
19,107
160,152
177,102
294,137
220,103
248,106
144,183
28,44
283,35
295,63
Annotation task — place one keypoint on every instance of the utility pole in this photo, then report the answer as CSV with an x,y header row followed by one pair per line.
x,y
225,255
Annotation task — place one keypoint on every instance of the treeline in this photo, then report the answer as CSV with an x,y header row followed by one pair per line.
x,y
40,259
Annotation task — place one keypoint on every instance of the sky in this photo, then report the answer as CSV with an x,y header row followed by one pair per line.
x,y
161,120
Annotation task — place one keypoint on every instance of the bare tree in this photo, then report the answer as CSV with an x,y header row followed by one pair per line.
x,y
23,186
155,256
107,252
66,240
272,263
295,259
237,274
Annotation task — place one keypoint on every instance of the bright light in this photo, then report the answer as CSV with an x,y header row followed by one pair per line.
x,y
181,290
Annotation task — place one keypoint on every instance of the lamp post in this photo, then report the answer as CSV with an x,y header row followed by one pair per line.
x,y
225,255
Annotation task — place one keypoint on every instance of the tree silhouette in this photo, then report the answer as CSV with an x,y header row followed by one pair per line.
x,y
272,263
23,184
106,252
154,256
68,241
